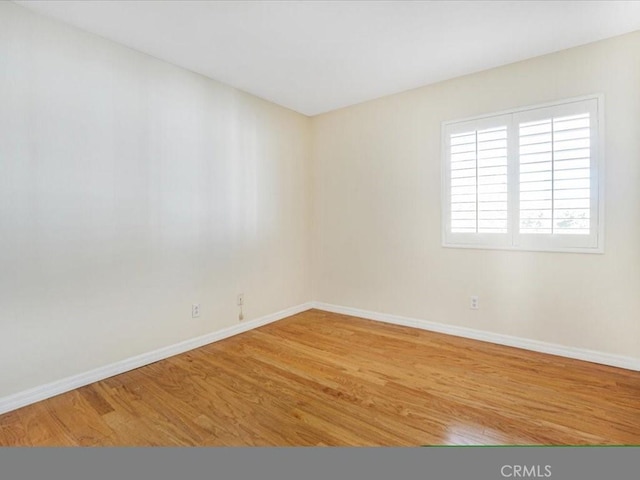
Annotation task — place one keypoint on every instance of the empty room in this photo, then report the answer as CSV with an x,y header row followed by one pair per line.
x,y
319,223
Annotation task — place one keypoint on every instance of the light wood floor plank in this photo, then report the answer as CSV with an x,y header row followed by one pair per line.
x,y
320,378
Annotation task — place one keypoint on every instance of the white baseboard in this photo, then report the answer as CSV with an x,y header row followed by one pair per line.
x,y
36,394
594,356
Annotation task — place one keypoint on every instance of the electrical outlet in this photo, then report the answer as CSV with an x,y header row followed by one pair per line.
x,y
240,300
474,303
195,310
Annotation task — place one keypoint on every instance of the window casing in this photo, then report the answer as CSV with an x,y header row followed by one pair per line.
x,y
527,179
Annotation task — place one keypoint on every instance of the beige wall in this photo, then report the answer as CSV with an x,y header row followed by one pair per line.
x,y
130,189
377,235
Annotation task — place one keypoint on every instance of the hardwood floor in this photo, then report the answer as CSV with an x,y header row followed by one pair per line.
x,y
319,378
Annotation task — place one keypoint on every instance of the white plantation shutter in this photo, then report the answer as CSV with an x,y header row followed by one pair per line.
x,y
477,180
528,179
555,163
464,175
558,190
492,180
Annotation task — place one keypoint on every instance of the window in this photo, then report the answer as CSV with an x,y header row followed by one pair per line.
x,y
528,179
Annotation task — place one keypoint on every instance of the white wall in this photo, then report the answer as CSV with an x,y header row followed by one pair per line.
x,y
130,189
377,209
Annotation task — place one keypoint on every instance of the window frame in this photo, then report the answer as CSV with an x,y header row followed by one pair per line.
x,y
513,240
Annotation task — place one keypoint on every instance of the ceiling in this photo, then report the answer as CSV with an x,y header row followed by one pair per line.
x,y
317,56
